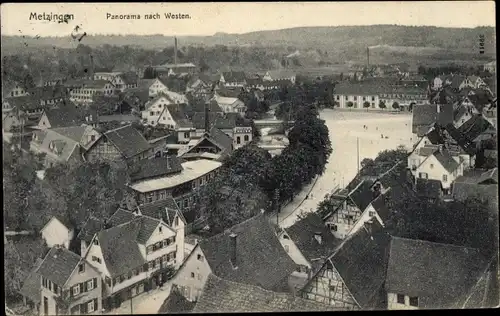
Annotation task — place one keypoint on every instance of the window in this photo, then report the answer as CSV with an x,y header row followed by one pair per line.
x,y
246,138
238,140
149,249
287,248
176,221
401,299
90,285
432,166
76,290
56,288
151,265
364,98
192,275
186,134
371,213
334,227
414,301
90,307
97,259
373,98
445,178
81,268
159,228
92,137
200,257
346,97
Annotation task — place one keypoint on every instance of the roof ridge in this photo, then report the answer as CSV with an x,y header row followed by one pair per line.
x,y
432,242
118,128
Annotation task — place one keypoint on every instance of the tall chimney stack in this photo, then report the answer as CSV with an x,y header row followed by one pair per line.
x,y
232,249
368,56
175,50
207,119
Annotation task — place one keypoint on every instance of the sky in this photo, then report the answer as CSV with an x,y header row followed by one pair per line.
x,y
210,18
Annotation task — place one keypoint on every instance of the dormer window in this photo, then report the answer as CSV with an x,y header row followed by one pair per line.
x,y
160,229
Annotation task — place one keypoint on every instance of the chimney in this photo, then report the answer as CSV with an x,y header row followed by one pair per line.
x,y
439,108
207,120
368,56
175,50
317,236
232,249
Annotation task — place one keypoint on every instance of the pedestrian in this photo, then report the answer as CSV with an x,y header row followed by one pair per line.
x,y
307,196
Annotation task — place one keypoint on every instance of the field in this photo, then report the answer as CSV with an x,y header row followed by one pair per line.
x,y
345,129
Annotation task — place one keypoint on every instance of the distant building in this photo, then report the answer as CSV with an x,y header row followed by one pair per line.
x,y
56,147
491,67
12,89
230,105
276,75
83,91
121,80
161,86
233,79
173,69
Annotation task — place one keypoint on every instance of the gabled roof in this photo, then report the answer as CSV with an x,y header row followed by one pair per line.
x,y
64,147
121,216
31,287
424,115
380,206
234,76
440,275
229,93
176,303
145,83
226,100
361,262
446,160
25,103
128,141
221,139
91,227
261,260
199,107
281,74
462,140
66,116
303,233
48,92
475,126
223,296
58,265
129,77
178,114
362,195
429,188
155,167
158,97
165,210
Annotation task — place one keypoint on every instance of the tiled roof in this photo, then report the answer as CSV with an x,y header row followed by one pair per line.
x,y
361,261
440,275
362,195
176,303
155,167
475,126
125,118
128,141
281,74
178,114
65,116
129,77
75,133
221,139
303,232
58,265
261,260
380,206
25,103
223,296
429,188
461,191
121,216
64,147
120,249
91,227
199,107
145,83
229,93
31,287
462,140
48,92
427,114
446,160
215,119
162,209
234,76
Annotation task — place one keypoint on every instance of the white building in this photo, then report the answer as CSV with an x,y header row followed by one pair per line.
x,y
55,232
491,67
159,86
230,105
276,75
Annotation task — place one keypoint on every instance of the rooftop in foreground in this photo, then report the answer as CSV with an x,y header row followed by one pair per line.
x,y
191,170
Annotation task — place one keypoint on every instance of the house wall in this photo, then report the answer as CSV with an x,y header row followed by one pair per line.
x,y
88,274
357,101
437,83
369,214
180,240
344,219
293,251
392,303
102,150
44,122
51,302
192,276
184,135
239,139
17,91
327,287
436,171
55,233
94,250
89,137
159,236
85,95
151,115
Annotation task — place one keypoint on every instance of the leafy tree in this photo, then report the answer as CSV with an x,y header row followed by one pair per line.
x,y
381,105
366,104
395,105
350,104
29,82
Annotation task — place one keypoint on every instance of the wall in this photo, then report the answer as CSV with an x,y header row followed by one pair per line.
x,y
293,251
435,171
158,236
51,302
44,122
87,275
102,150
157,109
344,225
392,303
201,271
365,217
358,103
241,135
180,241
55,233
327,287
95,250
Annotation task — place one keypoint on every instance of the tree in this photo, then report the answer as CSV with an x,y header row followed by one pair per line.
x,y
350,104
366,104
410,108
29,82
381,104
395,105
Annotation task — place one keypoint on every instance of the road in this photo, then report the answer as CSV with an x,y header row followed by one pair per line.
x,y
145,303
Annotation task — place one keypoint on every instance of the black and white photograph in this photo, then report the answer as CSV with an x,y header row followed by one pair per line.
x,y
225,157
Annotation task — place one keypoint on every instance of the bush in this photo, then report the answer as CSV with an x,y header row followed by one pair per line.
x,y
381,105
